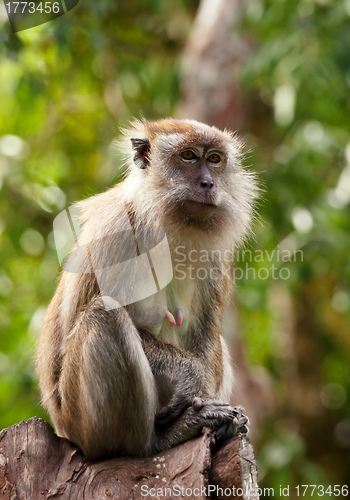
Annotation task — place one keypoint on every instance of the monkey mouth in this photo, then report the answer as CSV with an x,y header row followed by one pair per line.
x,y
203,203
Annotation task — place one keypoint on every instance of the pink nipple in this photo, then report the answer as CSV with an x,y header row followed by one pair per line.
x,y
170,317
179,317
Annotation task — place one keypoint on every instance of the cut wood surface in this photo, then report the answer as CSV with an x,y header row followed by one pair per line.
x,y
37,464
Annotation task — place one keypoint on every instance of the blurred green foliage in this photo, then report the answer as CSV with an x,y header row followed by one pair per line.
x,y
297,82
300,68
66,87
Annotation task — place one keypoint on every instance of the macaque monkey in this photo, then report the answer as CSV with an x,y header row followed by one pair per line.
x,y
135,377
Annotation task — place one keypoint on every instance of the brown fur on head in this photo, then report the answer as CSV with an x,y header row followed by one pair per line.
x,y
159,181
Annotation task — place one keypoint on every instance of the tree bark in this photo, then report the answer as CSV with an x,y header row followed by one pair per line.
x,y
36,463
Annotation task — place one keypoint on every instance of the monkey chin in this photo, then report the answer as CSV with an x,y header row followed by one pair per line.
x,y
200,210
204,216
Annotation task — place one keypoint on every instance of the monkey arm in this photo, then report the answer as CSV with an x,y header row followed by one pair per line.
x,y
180,375
190,388
192,404
173,364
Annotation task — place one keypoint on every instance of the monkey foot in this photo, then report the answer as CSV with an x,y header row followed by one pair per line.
x,y
229,431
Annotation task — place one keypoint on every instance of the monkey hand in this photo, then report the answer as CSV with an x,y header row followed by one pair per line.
x,y
180,403
227,423
230,429
173,410
220,414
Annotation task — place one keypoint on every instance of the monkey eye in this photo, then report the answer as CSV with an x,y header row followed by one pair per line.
x,y
214,158
189,155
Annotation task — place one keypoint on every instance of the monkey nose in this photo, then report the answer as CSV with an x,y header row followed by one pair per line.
x,y
206,184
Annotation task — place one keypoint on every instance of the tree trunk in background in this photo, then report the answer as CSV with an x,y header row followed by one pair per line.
x,y
212,57
214,53
317,424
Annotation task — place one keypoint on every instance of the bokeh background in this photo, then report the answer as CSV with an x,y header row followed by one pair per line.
x,y
278,72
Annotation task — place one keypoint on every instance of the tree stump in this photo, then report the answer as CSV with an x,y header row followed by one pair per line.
x,y
35,463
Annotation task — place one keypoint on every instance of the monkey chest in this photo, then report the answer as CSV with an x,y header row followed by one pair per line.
x,y
169,313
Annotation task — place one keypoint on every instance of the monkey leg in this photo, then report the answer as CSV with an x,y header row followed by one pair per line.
x,y
107,390
179,375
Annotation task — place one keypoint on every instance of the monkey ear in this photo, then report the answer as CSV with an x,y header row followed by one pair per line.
x,y
141,148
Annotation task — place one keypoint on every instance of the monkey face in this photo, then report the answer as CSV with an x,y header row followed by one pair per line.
x,y
199,183
200,170
192,172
